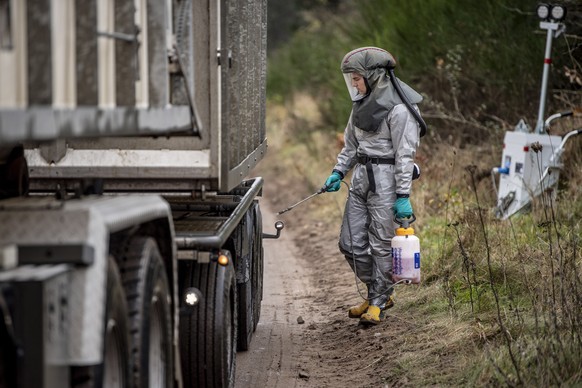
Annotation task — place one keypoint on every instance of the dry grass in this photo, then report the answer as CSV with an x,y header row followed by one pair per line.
x,y
497,296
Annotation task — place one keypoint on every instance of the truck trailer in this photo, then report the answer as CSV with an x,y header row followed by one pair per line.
x,y
130,234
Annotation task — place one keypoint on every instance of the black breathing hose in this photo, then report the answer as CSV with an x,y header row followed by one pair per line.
x,y
406,102
423,129
389,288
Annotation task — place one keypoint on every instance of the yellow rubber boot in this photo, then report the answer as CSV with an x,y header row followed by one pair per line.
x,y
357,311
372,316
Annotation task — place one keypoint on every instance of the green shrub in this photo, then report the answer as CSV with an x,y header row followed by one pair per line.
x,y
478,61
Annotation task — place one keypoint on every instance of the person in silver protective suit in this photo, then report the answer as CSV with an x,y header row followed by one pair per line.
x,y
381,138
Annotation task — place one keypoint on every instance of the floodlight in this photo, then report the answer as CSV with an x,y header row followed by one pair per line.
x,y
558,12
543,11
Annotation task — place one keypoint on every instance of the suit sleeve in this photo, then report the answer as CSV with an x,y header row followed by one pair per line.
x,y
346,159
405,133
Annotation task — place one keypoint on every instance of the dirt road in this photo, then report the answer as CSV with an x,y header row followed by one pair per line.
x,y
304,337
306,276
273,358
419,344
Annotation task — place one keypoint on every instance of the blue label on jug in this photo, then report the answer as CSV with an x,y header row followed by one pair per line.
x,y
397,261
416,260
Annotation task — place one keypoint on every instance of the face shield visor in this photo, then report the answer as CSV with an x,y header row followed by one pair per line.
x,y
357,86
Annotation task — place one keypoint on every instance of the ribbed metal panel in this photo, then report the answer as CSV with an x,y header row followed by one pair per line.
x,y
86,48
126,53
244,81
158,56
38,14
205,63
85,78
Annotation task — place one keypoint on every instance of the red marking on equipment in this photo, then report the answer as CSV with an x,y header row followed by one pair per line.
x,y
548,60
525,148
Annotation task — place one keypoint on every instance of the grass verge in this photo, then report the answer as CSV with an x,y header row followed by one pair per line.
x,y
500,300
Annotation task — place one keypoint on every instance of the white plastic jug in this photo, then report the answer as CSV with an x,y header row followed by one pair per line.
x,y
405,256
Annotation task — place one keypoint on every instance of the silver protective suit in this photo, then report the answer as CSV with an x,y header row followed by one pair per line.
x,y
368,226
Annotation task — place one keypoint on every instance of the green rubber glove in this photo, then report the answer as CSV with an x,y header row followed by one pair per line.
x,y
333,183
402,208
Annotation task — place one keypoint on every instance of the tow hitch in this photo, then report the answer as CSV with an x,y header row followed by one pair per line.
x,y
279,225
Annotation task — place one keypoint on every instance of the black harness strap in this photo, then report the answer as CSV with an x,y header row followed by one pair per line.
x,y
368,161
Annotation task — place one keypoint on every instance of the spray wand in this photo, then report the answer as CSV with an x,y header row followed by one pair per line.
x,y
320,191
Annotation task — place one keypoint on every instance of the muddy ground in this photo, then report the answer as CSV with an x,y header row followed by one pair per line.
x,y
305,338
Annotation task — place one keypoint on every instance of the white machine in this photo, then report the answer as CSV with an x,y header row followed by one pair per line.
x,y
527,157
531,161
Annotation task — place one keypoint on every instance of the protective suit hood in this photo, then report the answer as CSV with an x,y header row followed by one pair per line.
x,y
369,110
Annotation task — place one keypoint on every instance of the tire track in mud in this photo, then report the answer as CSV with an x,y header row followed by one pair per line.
x,y
306,276
273,357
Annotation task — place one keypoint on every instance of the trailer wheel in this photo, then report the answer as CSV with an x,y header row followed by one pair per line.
x,y
251,292
116,368
146,287
245,290
258,257
14,179
208,335
245,313
257,287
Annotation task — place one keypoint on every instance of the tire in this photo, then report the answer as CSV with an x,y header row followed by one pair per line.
x,y
148,299
14,179
251,292
208,335
116,368
246,301
245,315
258,258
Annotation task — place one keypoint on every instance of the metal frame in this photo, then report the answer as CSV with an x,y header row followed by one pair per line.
x,y
218,239
238,173
553,31
46,123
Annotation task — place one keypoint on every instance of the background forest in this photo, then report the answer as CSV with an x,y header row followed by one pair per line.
x,y
516,284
